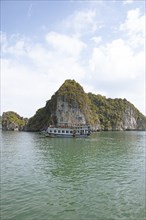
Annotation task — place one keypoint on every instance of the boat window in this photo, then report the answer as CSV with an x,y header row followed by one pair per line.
x,y
58,131
67,131
50,131
62,131
54,131
70,131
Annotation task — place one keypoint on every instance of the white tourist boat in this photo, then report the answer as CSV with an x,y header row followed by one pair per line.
x,y
64,130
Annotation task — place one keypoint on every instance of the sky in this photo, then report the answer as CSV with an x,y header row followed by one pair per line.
x,y
100,44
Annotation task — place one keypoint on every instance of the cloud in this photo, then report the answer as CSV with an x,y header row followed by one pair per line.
x,y
116,67
30,77
3,37
33,70
82,22
116,61
14,45
3,42
134,27
125,2
97,39
22,88
29,12
65,44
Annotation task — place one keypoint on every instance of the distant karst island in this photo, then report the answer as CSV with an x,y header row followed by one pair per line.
x,y
70,104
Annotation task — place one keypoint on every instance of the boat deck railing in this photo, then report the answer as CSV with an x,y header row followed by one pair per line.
x,y
69,125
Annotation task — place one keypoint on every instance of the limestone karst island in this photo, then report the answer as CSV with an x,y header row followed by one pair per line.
x,y
72,105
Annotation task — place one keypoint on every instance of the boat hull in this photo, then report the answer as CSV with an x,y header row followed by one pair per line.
x,y
65,136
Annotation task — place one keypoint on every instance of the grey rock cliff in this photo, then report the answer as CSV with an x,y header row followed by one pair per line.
x,y
66,113
70,104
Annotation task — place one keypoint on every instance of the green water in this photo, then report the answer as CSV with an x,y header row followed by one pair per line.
x,y
100,177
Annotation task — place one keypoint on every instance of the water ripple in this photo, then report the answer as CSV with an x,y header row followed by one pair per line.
x,y
102,177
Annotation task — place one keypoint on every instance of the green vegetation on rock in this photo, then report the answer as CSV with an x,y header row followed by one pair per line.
x,y
100,112
71,92
12,121
71,103
39,121
113,112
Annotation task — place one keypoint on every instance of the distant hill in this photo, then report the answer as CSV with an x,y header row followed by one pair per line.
x,y
70,104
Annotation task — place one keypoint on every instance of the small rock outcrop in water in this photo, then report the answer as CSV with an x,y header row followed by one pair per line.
x,y
11,121
70,104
